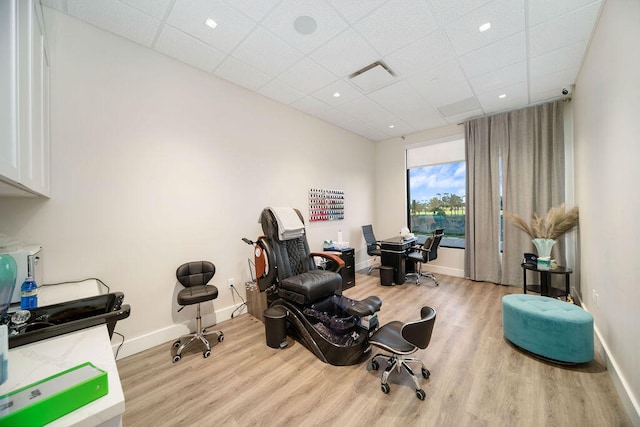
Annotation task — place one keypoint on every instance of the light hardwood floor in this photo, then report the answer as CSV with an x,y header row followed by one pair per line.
x,y
477,378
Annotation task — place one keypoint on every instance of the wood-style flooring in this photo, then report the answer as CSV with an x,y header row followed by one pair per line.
x,y
477,378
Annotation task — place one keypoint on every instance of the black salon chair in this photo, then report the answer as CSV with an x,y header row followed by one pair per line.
x,y
424,254
401,339
194,276
373,245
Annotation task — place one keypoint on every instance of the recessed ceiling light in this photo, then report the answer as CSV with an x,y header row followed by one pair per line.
x,y
392,126
503,96
305,24
209,22
484,27
336,95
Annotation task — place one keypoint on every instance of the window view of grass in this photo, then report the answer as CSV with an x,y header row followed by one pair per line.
x,y
436,197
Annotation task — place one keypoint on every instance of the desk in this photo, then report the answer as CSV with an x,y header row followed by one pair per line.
x,y
545,288
393,255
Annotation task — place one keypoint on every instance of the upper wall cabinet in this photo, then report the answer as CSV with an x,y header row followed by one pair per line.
x,y
24,100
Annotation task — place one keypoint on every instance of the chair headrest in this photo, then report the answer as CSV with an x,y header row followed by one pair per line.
x,y
282,223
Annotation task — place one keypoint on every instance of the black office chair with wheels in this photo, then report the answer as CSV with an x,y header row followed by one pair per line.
x,y
194,276
424,254
401,340
373,245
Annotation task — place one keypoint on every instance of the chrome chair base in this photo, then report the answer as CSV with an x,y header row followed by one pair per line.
x,y
419,274
200,334
398,362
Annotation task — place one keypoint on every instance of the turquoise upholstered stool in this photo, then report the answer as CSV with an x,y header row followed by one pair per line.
x,y
547,327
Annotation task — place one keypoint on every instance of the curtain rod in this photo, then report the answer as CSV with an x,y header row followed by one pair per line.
x,y
560,98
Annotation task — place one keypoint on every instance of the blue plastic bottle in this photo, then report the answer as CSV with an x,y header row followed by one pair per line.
x,y
28,294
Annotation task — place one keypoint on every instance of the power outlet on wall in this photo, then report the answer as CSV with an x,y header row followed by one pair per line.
x,y
231,282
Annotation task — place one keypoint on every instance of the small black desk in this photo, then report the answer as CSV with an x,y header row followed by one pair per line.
x,y
545,288
393,252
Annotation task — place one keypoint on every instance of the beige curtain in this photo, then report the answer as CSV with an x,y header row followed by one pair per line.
x,y
530,144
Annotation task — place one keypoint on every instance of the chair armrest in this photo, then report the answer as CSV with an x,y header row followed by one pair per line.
x,y
331,257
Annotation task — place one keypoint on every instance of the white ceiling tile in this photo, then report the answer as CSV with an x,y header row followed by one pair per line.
x,y
354,10
500,78
345,54
188,49
307,76
556,81
118,18
546,10
155,8
566,30
280,22
441,85
254,9
266,52
414,18
400,97
459,118
420,55
494,56
396,127
451,10
310,105
281,92
557,60
190,15
241,73
506,18
517,95
367,110
346,90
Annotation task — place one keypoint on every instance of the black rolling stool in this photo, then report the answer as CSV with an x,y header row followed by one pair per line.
x,y
194,276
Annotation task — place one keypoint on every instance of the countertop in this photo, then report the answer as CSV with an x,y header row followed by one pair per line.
x,y
33,362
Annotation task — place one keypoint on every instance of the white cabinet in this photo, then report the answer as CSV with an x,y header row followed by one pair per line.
x,y
24,150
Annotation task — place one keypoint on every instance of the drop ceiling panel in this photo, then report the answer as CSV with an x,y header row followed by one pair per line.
x,y
421,54
557,60
240,73
345,54
310,105
502,77
346,90
281,92
116,17
415,21
494,56
266,52
451,10
373,78
155,8
368,111
552,81
545,10
563,31
188,49
506,18
281,20
406,104
354,10
442,85
190,15
307,76
254,9
516,95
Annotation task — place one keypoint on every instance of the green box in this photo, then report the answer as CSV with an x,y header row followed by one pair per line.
x,y
48,399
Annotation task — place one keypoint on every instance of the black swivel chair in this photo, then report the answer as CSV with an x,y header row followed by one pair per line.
x,y
194,276
424,254
401,339
373,245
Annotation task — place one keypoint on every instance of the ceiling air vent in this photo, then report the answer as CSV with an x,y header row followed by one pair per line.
x,y
372,77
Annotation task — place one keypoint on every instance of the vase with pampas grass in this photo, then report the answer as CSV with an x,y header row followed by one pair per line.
x,y
545,230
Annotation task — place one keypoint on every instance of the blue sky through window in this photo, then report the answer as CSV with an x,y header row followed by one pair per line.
x,y
427,181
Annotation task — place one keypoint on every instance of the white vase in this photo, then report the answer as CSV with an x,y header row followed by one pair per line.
x,y
544,247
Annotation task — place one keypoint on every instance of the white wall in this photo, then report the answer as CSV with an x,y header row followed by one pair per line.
x,y
155,163
391,184
606,126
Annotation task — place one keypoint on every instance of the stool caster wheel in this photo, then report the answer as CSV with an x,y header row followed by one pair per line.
x,y
176,358
375,365
420,394
425,373
385,388
176,344
221,337
206,353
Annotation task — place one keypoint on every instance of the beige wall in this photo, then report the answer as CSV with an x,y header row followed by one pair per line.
x,y
155,163
606,126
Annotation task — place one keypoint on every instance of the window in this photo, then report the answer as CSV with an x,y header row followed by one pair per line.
x,y
436,185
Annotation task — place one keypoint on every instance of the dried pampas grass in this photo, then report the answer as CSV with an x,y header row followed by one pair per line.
x,y
553,225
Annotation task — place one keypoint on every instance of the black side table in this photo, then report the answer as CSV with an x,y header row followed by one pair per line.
x,y
545,288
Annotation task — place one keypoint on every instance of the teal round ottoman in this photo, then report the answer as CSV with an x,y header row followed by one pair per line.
x,y
547,327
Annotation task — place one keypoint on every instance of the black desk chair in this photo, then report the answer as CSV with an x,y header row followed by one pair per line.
x,y
373,245
402,339
424,254
194,276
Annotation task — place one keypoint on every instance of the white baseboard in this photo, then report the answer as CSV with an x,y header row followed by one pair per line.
x,y
629,401
171,333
